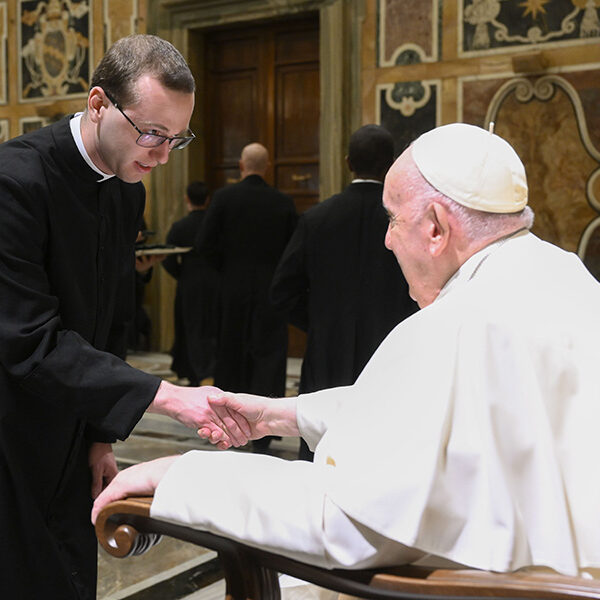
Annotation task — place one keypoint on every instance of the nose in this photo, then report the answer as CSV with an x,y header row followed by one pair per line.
x,y
387,238
161,153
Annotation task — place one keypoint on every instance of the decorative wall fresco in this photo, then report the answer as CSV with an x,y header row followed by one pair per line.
x,y
54,46
408,109
500,25
543,118
3,57
4,130
408,31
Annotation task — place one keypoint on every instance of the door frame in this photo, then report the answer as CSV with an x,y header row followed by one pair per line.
x,y
180,21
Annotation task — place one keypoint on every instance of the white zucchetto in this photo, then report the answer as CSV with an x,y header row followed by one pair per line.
x,y
473,167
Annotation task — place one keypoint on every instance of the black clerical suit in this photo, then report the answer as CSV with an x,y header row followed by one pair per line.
x,y
66,295
246,229
195,314
342,285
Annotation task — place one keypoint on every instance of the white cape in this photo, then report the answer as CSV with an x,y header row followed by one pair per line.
x,y
470,435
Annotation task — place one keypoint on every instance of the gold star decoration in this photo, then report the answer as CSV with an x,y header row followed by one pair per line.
x,y
533,7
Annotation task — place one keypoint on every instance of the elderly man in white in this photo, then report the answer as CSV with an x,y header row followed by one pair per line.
x,y
481,448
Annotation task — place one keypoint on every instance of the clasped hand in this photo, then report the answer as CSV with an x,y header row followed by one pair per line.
x,y
223,419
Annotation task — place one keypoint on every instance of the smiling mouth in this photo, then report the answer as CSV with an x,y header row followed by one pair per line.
x,y
144,167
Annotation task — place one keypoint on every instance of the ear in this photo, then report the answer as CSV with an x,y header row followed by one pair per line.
x,y
96,101
438,229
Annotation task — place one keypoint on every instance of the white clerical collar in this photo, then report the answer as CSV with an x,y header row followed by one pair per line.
x,y
366,181
469,268
75,124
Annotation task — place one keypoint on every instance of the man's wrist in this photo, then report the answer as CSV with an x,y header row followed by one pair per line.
x,y
161,404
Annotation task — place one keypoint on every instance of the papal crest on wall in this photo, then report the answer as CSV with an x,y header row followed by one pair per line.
x,y
54,46
500,25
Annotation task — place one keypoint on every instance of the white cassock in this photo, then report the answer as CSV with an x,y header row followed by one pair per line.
x,y
472,435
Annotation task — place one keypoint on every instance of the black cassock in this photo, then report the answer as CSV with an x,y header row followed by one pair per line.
x,y
342,285
195,307
66,296
246,229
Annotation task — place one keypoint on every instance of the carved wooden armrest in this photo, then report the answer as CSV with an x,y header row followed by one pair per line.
x,y
125,528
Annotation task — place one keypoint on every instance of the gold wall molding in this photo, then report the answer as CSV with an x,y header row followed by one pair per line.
x,y
121,19
4,130
3,58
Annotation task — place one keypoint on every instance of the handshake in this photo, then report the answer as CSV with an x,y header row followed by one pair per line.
x,y
225,419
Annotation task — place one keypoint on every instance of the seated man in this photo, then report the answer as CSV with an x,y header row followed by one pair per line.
x,y
479,448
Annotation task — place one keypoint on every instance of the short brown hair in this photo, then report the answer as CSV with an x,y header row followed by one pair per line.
x,y
133,56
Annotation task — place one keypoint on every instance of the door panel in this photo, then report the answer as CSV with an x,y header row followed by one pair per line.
x,y
297,111
262,83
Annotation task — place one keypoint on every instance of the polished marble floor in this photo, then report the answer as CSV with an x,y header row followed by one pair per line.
x,y
172,569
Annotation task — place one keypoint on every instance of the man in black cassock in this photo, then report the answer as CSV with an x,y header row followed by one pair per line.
x,y
340,283
246,229
194,311
71,205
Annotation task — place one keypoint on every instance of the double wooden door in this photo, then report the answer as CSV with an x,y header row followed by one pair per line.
x,y
262,85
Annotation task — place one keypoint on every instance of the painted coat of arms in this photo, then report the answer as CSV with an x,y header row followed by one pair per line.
x,y
54,48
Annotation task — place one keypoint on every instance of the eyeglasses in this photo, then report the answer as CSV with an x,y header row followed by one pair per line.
x,y
153,140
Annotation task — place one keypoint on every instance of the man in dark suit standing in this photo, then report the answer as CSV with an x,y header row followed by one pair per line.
x,y
342,286
246,229
195,313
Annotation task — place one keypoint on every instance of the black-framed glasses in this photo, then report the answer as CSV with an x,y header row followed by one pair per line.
x,y
153,140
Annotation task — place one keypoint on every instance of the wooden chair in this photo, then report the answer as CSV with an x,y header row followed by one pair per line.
x,y
125,528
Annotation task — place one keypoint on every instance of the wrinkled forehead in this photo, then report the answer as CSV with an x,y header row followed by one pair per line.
x,y
395,185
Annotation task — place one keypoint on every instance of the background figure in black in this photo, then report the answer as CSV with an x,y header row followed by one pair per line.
x,y
246,229
336,277
141,326
196,296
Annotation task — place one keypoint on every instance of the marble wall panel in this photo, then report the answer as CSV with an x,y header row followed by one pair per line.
x,y
408,31
552,122
54,42
3,57
498,26
545,132
476,93
587,84
474,97
408,109
120,19
4,130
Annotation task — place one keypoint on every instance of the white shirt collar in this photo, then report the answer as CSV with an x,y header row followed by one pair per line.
x,y
75,124
366,181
